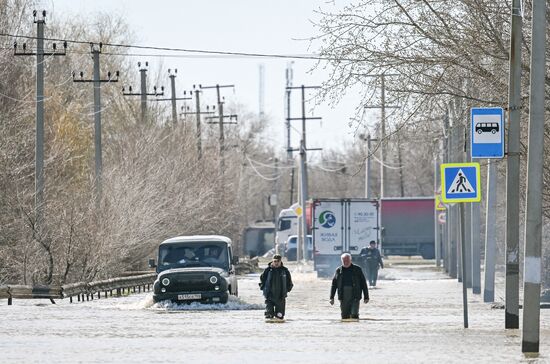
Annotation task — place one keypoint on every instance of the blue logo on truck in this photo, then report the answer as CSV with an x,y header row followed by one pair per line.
x,y
327,219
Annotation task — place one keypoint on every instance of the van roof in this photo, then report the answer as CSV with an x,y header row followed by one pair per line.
x,y
197,238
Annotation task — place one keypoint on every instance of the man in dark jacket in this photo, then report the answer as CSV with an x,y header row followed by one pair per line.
x,y
373,260
350,282
275,282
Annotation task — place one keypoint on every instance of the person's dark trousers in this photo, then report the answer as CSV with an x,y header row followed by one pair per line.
x,y
372,273
275,306
349,306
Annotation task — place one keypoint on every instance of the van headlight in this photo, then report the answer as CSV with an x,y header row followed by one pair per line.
x,y
213,279
165,281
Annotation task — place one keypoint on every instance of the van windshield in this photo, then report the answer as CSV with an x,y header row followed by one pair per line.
x,y
193,254
293,240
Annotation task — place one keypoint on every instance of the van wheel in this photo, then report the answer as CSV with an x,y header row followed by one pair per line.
x,y
223,300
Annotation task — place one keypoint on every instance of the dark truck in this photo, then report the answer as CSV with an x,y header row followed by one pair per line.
x,y
258,238
195,269
407,226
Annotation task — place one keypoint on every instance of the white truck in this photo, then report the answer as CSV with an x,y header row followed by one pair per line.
x,y
287,225
343,225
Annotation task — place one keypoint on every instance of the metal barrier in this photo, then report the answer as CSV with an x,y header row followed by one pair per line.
x,y
82,290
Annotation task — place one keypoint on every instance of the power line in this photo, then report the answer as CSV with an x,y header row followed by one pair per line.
x,y
266,178
187,50
273,166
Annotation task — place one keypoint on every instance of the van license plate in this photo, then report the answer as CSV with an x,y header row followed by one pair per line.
x,y
193,296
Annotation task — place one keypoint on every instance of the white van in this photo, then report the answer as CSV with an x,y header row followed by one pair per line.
x,y
292,244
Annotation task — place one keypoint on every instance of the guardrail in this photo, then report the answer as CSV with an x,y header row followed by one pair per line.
x,y
83,290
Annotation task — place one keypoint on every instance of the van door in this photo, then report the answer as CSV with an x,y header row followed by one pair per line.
x,y
328,235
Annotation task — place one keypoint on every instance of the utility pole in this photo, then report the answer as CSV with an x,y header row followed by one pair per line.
x,y
220,122
367,168
289,157
273,199
368,165
96,50
535,184
289,75
512,171
261,92
301,252
197,113
437,237
446,235
143,93
173,97
400,163
382,139
467,238
292,186
39,147
303,200
383,151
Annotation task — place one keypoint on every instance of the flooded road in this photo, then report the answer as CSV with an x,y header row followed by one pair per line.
x,y
415,315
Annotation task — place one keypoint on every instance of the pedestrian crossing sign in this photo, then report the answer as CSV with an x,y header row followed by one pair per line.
x,y
460,182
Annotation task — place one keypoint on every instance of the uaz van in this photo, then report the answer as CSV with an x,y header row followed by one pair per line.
x,y
195,268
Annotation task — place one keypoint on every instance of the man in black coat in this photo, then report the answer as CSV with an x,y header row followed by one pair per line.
x,y
373,261
275,282
350,282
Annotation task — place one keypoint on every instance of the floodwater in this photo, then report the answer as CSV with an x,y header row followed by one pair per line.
x,y
415,316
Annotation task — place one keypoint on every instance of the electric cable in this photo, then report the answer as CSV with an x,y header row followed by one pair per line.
x,y
186,50
261,175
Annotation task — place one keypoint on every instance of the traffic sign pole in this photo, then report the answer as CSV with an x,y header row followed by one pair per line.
x,y
460,183
463,256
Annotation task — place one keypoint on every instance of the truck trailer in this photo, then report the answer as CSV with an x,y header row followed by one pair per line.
x,y
341,226
407,226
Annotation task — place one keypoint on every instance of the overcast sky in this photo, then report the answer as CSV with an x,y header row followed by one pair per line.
x,y
252,26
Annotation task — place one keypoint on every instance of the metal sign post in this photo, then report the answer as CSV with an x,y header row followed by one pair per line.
x,y
460,182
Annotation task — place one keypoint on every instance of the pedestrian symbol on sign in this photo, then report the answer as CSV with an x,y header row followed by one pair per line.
x,y
460,184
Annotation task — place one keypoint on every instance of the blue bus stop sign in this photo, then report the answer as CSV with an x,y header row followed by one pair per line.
x,y
487,132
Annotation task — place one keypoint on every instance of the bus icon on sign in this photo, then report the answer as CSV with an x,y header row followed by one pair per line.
x,y
492,128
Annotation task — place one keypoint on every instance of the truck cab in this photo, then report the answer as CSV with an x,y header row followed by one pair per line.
x,y
258,238
287,225
195,268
